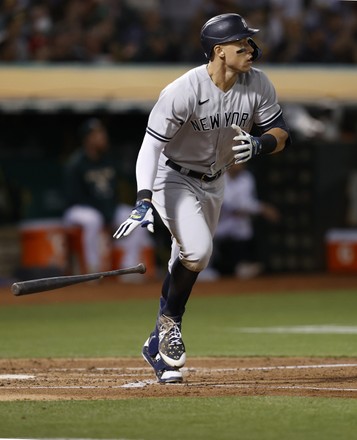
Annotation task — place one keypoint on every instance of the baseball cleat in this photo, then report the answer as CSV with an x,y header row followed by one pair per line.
x,y
164,373
171,346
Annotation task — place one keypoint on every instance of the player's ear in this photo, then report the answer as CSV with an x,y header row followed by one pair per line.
x,y
218,50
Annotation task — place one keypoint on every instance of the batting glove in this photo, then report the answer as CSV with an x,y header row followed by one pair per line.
x,y
142,215
248,146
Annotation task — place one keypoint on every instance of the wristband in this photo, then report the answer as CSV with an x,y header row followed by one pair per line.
x,y
268,143
144,194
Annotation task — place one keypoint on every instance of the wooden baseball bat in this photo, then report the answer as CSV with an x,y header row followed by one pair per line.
x,y
51,283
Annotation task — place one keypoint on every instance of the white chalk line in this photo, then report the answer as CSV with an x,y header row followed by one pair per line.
x,y
17,376
193,369
297,367
326,329
139,384
93,370
282,387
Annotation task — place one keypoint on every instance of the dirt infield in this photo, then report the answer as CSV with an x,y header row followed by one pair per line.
x,y
123,378
91,379
112,289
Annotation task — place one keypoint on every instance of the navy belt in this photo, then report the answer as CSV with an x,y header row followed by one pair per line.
x,y
202,176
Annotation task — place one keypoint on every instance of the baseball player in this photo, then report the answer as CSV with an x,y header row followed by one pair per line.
x,y
90,187
198,128
234,250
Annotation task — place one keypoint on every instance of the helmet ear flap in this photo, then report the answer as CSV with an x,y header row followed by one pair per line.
x,y
257,51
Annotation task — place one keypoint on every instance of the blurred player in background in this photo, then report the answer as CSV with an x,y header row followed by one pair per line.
x,y
91,191
199,128
235,248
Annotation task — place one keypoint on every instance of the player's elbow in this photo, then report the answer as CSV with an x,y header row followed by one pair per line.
x,y
282,138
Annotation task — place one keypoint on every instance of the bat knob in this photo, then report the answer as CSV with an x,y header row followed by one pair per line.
x,y
141,268
15,289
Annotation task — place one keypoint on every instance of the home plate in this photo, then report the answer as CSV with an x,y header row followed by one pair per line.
x,y
16,376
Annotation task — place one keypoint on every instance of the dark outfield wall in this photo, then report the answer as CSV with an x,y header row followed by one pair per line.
x,y
307,183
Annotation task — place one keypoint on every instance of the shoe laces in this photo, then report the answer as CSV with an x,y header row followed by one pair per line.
x,y
172,328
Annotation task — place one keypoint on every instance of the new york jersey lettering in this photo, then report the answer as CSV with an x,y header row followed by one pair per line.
x,y
218,120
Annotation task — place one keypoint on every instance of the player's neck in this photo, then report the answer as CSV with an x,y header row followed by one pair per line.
x,y
223,79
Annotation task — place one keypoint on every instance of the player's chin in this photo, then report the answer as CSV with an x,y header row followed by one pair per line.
x,y
246,67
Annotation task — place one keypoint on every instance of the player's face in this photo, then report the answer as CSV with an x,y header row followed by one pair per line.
x,y
239,55
97,141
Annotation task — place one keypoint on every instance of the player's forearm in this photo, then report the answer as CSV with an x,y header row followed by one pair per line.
x,y
281,137
146,166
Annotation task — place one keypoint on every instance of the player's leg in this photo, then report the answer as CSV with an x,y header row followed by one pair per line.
x,y
153,342
164,349
191,214
92,222
164,372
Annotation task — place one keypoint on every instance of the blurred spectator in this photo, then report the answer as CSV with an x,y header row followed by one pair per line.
x,y
39,36
13,41
178,18
235,250
351,219
91,189
97,31
10,200
157,45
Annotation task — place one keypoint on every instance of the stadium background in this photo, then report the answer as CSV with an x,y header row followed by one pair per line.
x,y
62,62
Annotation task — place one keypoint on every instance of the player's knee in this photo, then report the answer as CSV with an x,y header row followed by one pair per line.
x,y
198,260
93,219
84,216
194,266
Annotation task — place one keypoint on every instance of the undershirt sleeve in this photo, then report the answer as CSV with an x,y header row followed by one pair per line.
x,y
147,162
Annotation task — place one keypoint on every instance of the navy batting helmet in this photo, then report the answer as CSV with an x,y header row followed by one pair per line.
x,y
224,29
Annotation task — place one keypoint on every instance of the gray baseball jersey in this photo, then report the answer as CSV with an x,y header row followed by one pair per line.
x,y
193,116
191,125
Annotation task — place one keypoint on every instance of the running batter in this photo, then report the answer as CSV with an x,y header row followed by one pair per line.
x,y
198,128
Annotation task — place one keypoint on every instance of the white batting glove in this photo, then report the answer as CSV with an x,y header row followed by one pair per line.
x,y
248,146
142,215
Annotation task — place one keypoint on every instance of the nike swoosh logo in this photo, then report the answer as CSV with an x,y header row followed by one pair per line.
x,y
202,102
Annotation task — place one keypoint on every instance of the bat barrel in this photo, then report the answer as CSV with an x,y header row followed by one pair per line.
x,y
40,285
43,284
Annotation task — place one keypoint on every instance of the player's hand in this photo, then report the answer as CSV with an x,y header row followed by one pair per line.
x,y
142,215
247,146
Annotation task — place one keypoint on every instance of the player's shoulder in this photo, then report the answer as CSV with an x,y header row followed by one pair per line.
x,y
190,78
256,74
256,79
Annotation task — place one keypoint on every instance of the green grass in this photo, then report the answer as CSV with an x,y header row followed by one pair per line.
x,y
224,418
75,330
212,327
